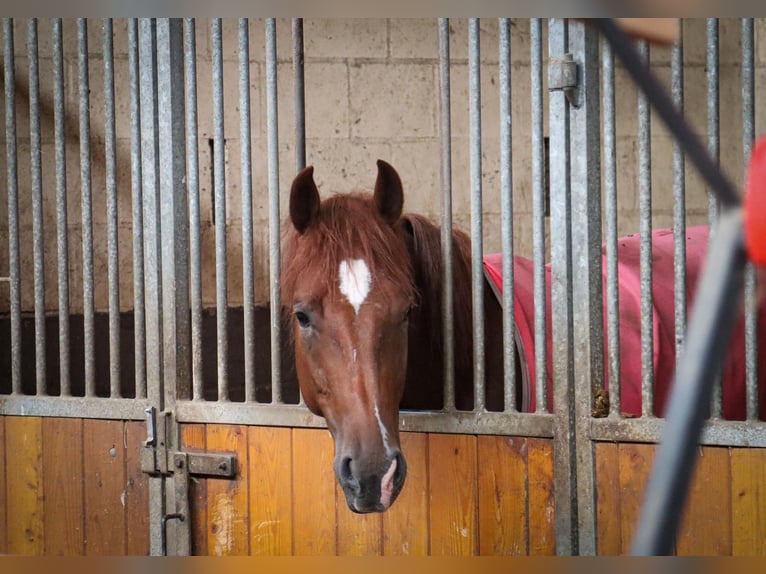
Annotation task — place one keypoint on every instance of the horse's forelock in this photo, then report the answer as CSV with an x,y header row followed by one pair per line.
x,y
346,227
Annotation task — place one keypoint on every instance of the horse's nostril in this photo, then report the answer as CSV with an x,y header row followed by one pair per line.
x,y
345,468
401,468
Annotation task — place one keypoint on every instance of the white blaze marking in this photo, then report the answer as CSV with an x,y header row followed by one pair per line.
x,y
383,430
355,281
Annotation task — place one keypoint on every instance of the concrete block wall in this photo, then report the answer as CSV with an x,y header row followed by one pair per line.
x,y
371,92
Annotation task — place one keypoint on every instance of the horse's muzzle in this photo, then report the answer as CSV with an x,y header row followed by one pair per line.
x,y
371,491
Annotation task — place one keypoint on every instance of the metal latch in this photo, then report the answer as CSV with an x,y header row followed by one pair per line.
x,y
563,76
157,460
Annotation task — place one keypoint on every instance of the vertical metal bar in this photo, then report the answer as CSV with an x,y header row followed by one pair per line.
x,y
176,357
219,185
111,211
152,254
247,207
564,455
477,269
13,206
679,198
62,249
300,108
139,305
645,226
86,202
300,95
587,291
174,238
192,147
538,216
274,234
37,203
612,269
445,128
506,208
714,147
713,117
751,286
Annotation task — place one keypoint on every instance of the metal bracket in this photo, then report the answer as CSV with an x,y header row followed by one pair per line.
x,y
563,76
154,461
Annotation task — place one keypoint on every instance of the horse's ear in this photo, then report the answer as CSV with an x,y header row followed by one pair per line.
x,y
304,200
389,197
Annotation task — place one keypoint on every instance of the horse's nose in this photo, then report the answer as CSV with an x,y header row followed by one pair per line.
x,y
372,490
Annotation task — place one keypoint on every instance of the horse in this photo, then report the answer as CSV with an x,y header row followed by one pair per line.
x,y
362,284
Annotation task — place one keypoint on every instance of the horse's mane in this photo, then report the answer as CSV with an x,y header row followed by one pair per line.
x,y
424,243
346,226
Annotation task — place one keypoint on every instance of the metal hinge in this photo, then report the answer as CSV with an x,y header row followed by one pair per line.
x,y
563,76
158,460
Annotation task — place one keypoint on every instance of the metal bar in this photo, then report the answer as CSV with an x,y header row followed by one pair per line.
x,y
714,147
642,75
477,268
300,108
300,95
612,269
538,216
111,211
587,291
174,215
62,249
649,430
139,306
73,407
564,454
710,328
152,253
751,285
445,129
713,116
645,263
286,415
192,147
679,198
506,208
37,204
13,206
248,286
274,233
86,203
219,187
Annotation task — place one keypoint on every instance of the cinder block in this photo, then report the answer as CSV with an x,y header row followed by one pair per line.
x,y
331,38
414,38
340,168
393,101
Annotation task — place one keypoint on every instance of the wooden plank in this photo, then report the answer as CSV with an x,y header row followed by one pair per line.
x,y
748,494
542,534
405,524
635,465
3,498
63,487
194,439
104,465
452,471
314,516
24,483
227,506
358,534
503,496
270,477
136,491
705,528
608,499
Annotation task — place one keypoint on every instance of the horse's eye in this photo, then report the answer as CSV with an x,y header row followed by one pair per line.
x,y
303,319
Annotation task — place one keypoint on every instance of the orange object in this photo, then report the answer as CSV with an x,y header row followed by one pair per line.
x,y
755,205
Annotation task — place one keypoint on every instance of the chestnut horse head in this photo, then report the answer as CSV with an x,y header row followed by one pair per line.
x,y
347,280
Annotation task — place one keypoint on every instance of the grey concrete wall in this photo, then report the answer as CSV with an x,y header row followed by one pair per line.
x,y
372,92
